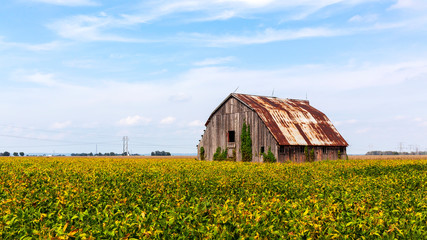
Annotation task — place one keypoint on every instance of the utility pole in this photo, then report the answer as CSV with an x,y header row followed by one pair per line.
x,y
126,145
410,148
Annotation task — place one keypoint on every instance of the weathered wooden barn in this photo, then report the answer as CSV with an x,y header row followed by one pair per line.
x,y
288,126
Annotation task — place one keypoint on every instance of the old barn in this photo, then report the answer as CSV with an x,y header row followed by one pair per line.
x,y
290,128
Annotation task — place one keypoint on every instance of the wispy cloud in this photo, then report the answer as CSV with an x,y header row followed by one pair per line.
x,y
61,125
104,27
345,122
180,97
225,9
71,3
364,18
214,61
267,36
46,79
410,4
134,120
225,15
43,79
167,120
196,123
270,35
54,45
93,28
319,77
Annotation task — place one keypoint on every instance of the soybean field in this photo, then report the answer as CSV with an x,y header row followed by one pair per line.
x,y
182,198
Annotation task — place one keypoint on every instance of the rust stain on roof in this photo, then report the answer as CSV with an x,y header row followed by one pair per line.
x,y
293,122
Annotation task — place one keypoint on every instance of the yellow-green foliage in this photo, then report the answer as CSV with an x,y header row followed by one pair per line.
x,y
113,198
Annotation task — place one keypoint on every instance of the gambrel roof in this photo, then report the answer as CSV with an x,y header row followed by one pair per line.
x,y
291,121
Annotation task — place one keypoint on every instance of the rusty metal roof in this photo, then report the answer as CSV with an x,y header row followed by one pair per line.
x,y
293,122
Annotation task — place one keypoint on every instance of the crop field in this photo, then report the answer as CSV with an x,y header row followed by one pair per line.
x,y
167,198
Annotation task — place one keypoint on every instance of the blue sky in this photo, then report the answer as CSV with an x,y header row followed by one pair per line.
x,y
76,74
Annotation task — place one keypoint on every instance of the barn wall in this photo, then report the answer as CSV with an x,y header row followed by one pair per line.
x,y
296,153
230,117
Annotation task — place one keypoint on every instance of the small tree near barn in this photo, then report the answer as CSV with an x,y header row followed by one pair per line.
x,y
246,143
202,153
269,157
220,155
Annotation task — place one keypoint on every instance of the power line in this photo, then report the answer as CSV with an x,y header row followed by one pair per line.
x,y
56,131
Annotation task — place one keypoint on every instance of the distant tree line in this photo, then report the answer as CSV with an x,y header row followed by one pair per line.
x,y
160,153
395,153
15,154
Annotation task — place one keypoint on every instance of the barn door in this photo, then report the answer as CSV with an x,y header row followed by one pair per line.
x,y
231,144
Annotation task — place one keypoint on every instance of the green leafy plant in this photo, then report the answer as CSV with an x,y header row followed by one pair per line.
x,y
312,156
246,143
306,153
220,155
339,154
269,157
202,153
233,158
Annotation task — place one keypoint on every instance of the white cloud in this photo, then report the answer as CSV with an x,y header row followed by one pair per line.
x,y
81,63
400,117
270,35
96,28
167,120
164,70
54,45
44,79
180,97
196,123
345,122
214,61
267,36
102,27
366,18
47,80
61,125
72,3
363,130
237,7
93,28
252,3
225,15
134,120
410,4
